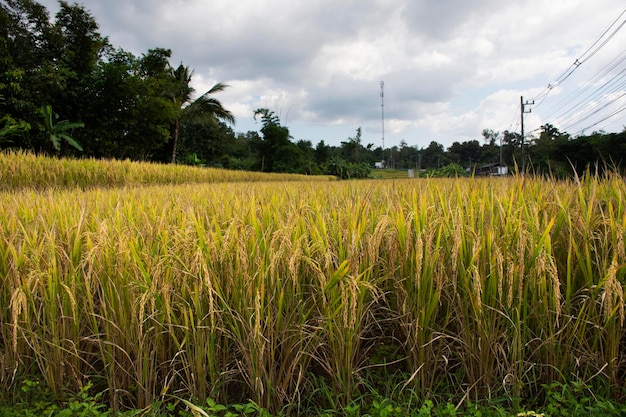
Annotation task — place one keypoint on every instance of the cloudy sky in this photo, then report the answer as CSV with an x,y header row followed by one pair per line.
x,y
451,68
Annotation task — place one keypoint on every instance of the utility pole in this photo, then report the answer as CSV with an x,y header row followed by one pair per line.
x,y
382,107
522,112
501,150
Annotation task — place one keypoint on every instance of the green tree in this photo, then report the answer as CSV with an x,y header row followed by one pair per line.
x,y
467,154
114,91
434,156
544,152
408,156
46,62
133,93
244,151
512,148
76,48
153,108
324,152
352,150
202,109
25,34
276,151
275,137
307,163
490,151
208,140
128,115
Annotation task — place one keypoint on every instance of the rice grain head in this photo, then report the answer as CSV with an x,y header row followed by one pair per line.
x,y
613,295
18,305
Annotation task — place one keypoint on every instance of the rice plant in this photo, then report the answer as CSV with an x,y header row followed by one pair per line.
x,y
481,288
26,170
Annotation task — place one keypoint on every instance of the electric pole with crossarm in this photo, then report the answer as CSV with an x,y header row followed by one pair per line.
x,y
522,112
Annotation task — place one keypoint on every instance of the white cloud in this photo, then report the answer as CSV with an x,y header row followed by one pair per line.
x,y
451,67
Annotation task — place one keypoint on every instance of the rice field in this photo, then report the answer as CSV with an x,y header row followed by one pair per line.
x,y
19,170
285,292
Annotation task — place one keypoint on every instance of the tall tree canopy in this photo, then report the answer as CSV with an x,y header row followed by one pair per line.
x,y
132,107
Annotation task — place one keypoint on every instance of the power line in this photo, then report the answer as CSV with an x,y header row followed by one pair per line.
x,y
588,115
606,70
597,93
606,40
587,105
615,84
583,58
602,120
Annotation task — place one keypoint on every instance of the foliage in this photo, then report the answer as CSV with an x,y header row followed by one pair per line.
x,y
277,152
354,152
556,153
434,156
577,399
204,109
85,405
449,171
352,162
56,131
346,170
67,64
131,91
194,160
11,127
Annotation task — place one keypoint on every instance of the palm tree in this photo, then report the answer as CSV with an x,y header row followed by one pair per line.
x,y
203,108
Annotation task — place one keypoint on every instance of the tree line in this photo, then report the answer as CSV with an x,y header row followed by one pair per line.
x,y
65,90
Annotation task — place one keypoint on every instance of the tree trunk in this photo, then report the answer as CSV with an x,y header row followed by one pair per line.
x,y
175,139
